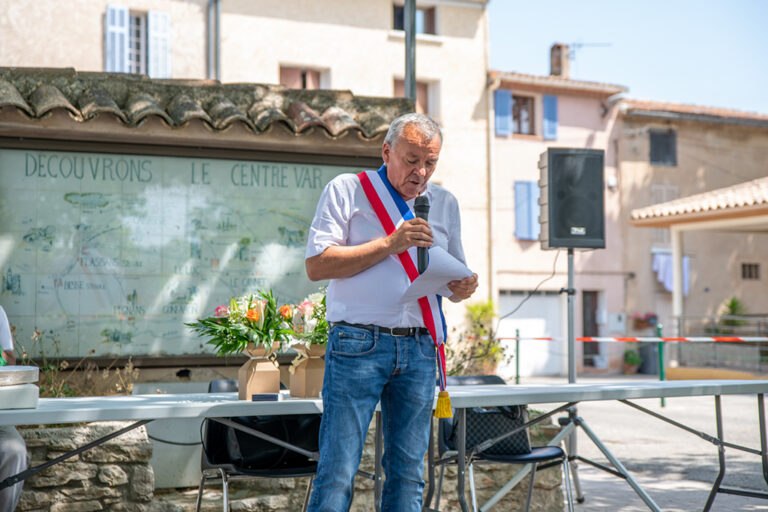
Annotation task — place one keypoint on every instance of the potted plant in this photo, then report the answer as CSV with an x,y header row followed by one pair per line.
x,y
644,321
477,349
310,337
255,326
632,361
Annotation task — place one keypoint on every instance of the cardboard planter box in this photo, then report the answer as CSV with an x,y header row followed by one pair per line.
x,y
260,374
307,376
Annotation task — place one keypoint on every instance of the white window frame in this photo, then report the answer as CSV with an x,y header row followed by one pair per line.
x,y
137,57
155,57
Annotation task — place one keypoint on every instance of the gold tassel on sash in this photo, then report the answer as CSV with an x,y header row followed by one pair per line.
x,y
443,409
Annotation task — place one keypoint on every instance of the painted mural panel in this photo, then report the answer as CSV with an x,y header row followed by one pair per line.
x,y
109,254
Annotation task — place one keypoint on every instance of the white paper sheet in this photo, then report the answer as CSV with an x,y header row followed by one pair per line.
x,y
442,269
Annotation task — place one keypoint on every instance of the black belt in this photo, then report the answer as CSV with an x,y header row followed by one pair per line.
x,y
393,331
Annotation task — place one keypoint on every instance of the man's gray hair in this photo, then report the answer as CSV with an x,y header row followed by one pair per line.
x,y
425,124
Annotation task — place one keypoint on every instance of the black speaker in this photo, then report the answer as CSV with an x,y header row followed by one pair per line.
x,y
571,199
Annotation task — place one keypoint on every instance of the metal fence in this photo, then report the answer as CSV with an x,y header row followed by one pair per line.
x,y
746,356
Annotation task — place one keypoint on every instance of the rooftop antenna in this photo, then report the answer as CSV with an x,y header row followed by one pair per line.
x,y
574,47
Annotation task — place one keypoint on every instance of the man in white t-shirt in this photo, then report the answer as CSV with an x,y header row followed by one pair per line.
x,y
13,451
378,348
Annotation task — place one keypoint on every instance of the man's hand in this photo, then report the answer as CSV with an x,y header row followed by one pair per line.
x,y
463,288
9,356
412,233
340,261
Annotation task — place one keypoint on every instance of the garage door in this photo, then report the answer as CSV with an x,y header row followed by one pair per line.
x,y
542,315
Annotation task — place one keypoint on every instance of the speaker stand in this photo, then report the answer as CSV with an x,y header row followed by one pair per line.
x,y
572,413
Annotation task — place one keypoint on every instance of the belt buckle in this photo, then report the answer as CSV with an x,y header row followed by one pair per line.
x,y
401,331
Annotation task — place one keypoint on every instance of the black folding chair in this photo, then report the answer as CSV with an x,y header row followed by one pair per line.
x,y
229,453
540,457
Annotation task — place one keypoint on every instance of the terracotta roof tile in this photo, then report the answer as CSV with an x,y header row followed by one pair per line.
x,y
639,106
183,108
10,96
140,105
133,98
95,100
47,97
223,113
748,194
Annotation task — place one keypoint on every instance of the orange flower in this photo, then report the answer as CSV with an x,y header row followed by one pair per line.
x,y
285,311
252,315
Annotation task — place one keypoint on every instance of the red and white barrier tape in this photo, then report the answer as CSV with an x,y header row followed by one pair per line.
x,y
654,339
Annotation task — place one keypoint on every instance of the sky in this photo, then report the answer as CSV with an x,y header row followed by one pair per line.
x,y
701,52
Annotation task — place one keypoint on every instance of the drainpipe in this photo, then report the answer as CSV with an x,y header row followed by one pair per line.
x,y
213,40
409,24
493,84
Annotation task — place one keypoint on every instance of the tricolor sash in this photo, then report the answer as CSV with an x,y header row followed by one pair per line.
x,y
392,210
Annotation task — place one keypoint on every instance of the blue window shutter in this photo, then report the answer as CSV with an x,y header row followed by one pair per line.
x,y
522,211
116,39
527,225
550,117
502,100
534,209
158,44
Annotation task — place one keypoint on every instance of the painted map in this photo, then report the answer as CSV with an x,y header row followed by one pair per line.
x,y
110,254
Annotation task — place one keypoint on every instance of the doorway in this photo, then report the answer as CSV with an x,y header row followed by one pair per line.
x,y
590,350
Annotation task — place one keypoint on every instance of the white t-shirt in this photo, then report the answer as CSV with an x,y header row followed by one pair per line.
x,y
6,340
344,216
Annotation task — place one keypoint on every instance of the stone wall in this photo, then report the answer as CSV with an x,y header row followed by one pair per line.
x,y
113,476
116,476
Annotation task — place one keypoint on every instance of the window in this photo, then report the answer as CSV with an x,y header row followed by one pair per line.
x,y
750,271
663,147
522,115
661,194
549,121
299,78
527,225
425,19
517,114
137,42
423,97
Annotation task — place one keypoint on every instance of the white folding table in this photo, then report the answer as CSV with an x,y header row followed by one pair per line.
x,y
464,397
144,408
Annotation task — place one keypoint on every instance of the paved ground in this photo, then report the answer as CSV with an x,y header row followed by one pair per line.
x,y
675,467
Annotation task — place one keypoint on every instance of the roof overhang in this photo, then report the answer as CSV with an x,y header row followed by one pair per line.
x,y
66,105
554,84
741,207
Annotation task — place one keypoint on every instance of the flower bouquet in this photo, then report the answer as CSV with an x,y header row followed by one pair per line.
x,y
309,324
254,325
310,336
253,320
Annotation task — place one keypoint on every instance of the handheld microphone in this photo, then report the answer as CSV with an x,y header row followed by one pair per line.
x,y
421,209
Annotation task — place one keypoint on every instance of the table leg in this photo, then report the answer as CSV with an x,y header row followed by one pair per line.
x,y
12,480
720,455
763,442
619,466
573,453
430,467
462,457
377,463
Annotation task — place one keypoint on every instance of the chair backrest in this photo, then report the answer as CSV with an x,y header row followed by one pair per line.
x,y
473,380
445,427
222,386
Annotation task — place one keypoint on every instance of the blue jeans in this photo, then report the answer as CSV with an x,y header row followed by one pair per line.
x,y
361,369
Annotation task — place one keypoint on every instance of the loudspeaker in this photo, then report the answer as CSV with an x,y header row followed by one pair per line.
x,y
571,199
